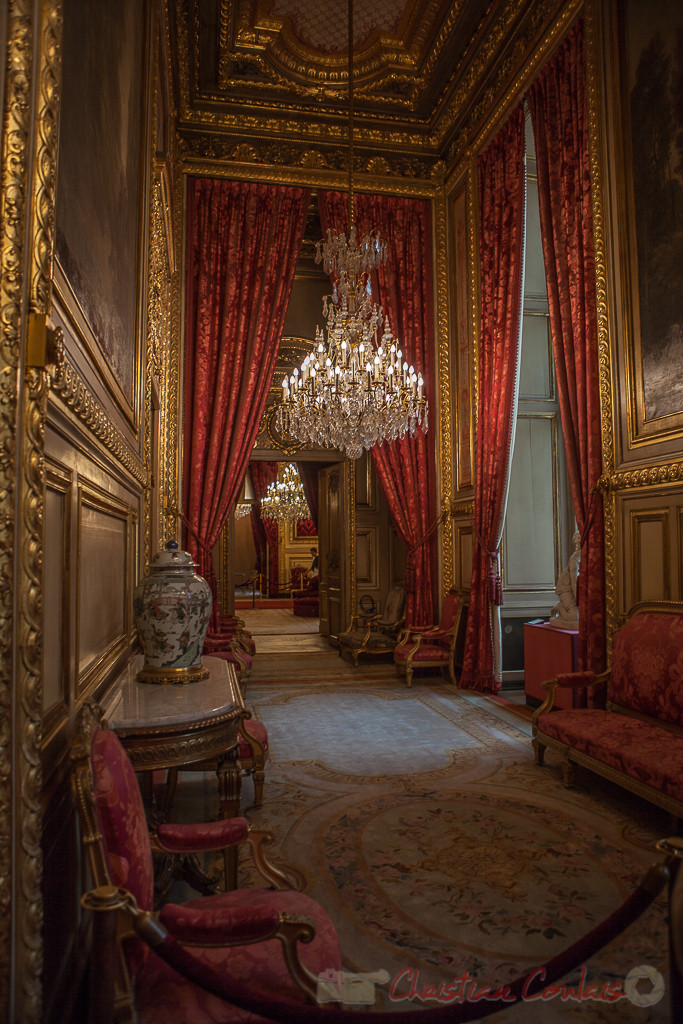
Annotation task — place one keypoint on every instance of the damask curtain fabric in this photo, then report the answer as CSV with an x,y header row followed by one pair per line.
x,y
557,102
243,241
405,468
264,531
502,191
308,471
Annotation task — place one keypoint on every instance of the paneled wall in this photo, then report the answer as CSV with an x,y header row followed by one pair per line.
x,y
642,472
104,429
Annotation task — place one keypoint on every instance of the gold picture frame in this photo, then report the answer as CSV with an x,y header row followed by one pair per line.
x,y
636,58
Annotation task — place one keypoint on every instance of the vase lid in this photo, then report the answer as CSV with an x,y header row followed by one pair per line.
x,y
171,557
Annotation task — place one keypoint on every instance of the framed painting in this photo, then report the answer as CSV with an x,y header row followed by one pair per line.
x,y
643,45
100,185
462,336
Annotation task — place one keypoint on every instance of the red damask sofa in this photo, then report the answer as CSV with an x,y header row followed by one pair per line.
x,y
636,739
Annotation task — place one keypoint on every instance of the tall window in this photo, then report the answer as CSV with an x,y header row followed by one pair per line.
x,y
539,518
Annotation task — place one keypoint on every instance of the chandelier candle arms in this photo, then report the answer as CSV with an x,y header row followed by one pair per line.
x,y
354,389
285,499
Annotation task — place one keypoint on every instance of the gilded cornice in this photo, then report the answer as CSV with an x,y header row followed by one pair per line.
x,y
443,381
648,476
462,509
285,165
284,120
525,58
67,385
20,857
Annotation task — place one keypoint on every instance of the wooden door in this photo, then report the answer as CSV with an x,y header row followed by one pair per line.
x,y
335,549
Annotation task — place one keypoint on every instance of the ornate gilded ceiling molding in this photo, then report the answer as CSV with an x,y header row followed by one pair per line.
x,y
268,153
504,91
307,174
443,380
67,385
400,70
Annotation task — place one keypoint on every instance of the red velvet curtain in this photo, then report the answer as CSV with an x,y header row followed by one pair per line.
x,y
308,471
405,468
242,245
262,474
502,190
557,102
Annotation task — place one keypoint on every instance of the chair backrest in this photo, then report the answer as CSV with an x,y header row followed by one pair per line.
x,y
646,674
297,574
449,612
393,607
122,819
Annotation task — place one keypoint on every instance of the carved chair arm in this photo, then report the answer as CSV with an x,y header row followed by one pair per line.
x,y
289,929
215,835
566,680
422,629
224,927
220,835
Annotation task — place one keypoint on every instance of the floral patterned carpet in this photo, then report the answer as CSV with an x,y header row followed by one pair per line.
x,y
419,820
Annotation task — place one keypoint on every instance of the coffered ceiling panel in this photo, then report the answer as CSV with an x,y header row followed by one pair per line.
x,y
253,74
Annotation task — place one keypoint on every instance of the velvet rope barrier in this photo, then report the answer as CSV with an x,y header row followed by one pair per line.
x,y
522,988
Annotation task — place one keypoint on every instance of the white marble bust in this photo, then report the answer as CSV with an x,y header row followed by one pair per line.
x,y
565,614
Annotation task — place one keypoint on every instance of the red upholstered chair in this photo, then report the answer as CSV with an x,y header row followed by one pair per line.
x,y
421,647
253,752
248,936
305,601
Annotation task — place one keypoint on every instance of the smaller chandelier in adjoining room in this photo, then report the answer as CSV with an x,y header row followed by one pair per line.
x,y
285,499
243,508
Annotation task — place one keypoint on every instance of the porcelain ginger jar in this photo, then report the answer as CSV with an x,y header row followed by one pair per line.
x,y
172,607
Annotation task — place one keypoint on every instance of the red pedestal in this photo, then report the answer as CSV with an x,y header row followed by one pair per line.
x,y
548,652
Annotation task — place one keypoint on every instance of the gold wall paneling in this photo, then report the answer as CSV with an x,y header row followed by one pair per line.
x,y
57,561
648,416
650,561
102,285
69,387
104,584
30,108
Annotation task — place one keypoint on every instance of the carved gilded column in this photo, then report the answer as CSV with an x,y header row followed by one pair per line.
x,y
26,253
606,412
443,382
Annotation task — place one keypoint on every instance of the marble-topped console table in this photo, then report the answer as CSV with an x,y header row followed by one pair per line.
x,y
170,725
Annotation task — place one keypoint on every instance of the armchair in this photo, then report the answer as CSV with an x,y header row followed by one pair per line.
x,y
375,633
433,646
305,601
244,935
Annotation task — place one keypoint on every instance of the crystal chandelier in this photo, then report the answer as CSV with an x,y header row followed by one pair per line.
x,y
285,499
243,508
354,389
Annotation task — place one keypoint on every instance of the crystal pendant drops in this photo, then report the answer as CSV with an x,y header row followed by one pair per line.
x,y
354,389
